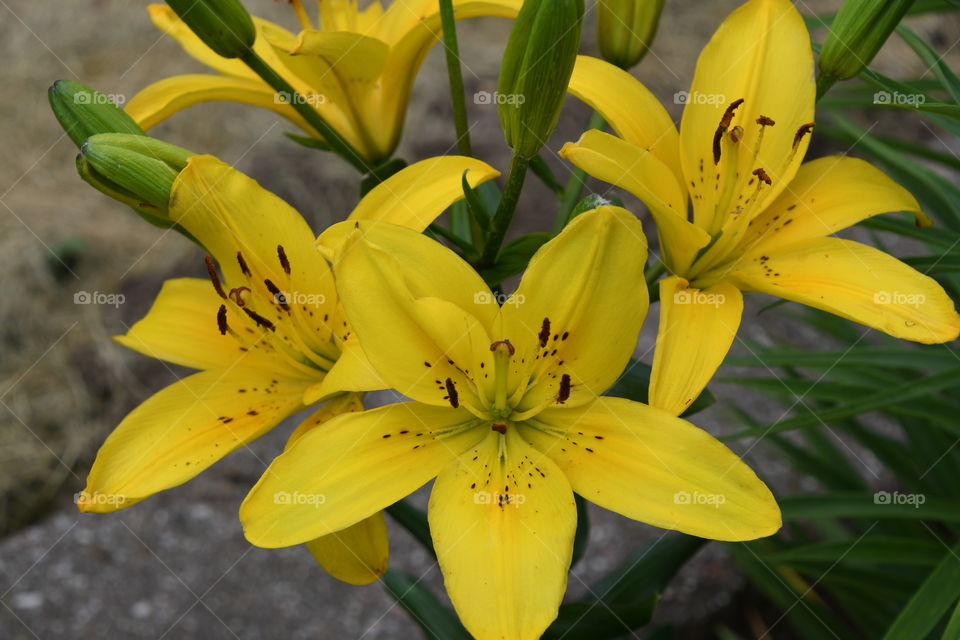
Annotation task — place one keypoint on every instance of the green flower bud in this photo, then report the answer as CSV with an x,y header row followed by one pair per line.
x,y
536,69
83,112
223,25
138,168
856,34
625,29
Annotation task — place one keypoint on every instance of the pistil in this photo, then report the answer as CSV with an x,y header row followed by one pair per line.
x,y
502,352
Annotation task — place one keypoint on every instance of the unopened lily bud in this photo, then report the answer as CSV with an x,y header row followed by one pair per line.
x,y
138,167
856,34
224,25
83,112
625,29
536,69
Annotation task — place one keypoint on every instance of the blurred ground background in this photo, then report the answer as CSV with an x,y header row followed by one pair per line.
x,y
177,565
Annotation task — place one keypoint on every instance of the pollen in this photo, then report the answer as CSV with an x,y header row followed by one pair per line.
x,y
564,394
762,175
243,264
723,126
214,278
452,394
802,131
222,320
544,332
282,255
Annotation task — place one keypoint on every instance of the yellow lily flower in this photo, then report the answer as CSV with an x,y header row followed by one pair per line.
x,y
356,71
269,337
759,220
506,415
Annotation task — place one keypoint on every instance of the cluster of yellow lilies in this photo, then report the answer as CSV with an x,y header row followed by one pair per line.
x,y
505,408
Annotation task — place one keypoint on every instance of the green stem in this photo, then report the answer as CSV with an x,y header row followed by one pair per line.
x,y
314,119
455,75
466,248
414,521
503,216
654,271
576,183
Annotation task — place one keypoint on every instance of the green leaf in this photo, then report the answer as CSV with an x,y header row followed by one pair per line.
x,y
931,601
868,550
625,599
915,358
381,173
310,143
828,506
582,537
542,170
935,264
947,77
437,621
882,398
414,521
634,383
952,632
477,209
514,256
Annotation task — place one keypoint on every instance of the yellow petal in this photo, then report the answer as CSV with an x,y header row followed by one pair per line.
x,y
580,306
358,554
828,195
417,195
629,108
856,282
411,29
231,215
183,429
697,327
356,465
181,327
422,347
351,372
162,99
650,466
413,197
760,54
625,165
503,521
166,20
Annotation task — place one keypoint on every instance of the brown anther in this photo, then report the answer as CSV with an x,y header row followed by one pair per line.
x,y
222,320
510,349
564,394
214,278
499,427
452,394
802,131
259,319
243,264
278,297
283,259
736,134
236,294
544,332
764,121
722,128
762,175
